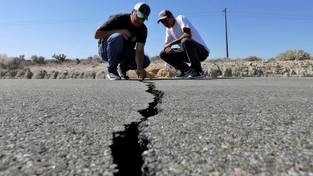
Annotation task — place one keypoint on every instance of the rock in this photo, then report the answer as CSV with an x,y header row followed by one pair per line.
x,y
214,71
101,75
24,74
90,75
11,74
74,75
20,74
52,75
62,75
40,74
28,74
227,72
2,73
232,68
165,73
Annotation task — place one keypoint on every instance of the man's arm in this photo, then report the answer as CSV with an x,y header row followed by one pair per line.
x,y
100,34
186,34
140,60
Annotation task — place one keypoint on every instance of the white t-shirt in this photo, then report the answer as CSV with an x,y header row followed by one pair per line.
x,y
177,30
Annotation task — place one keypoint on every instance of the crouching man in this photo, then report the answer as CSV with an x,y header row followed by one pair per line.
x,y
192,48
121,42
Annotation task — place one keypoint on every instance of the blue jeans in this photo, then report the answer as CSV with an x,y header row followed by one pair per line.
x,y
114,50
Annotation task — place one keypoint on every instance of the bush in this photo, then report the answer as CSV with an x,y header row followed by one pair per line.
x,y
95,58
15,63
12,63
290,55
77,60
38,59
252,58
3,60
60,57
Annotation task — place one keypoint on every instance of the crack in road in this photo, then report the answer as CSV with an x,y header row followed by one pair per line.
x,y
128,145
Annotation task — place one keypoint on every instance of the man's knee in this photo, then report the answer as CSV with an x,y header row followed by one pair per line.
x,y
116,37
163,55
186,42
146,62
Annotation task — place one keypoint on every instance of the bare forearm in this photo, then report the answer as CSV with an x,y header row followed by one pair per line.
x,y
178,40
100,34
140,58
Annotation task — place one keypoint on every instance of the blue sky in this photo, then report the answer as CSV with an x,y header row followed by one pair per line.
x,y
263,28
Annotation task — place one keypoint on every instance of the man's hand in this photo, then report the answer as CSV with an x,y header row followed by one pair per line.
x,y
168,49
141,73
167,46
126,34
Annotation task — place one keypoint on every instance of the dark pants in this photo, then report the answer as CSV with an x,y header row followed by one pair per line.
x,y
115,51
190,52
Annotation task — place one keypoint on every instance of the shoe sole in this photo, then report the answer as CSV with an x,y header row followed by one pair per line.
x,y
112,79
196,77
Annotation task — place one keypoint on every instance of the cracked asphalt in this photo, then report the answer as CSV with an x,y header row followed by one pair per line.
x,y
64,127
257,126
251,126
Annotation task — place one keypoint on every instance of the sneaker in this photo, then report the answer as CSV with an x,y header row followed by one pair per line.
x,y
196,75
185,74
113,76
122,73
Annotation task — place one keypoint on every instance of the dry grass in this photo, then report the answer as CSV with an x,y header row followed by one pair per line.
x,y
96,69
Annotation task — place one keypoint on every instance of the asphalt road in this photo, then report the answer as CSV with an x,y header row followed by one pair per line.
x,y
255,126
64,127
233,127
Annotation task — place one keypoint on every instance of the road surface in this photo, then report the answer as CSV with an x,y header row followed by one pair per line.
x,y
251,126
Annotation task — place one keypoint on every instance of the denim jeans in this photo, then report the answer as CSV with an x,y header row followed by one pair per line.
x,y
114,50
190,52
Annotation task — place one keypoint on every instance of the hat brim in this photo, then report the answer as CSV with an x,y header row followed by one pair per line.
x,y
162,18
141,15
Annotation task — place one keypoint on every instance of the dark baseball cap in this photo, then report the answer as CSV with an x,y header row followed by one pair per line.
x,y
143,10
164,14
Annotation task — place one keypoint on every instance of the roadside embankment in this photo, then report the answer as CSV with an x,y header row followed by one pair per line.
x,y
157,69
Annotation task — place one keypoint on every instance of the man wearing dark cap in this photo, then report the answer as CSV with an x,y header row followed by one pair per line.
x,y
121,42
192,48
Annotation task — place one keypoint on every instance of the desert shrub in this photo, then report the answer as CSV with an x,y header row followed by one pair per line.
x,y
12,63
290,55
220,59
15,63
77,60
37,59
95,59
51,61
60,58
252,58
3,60
272,59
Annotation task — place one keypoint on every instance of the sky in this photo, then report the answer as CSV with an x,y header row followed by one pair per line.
x,y
262,28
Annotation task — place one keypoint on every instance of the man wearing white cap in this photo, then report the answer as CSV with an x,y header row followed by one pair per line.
x,y
121,42
192,48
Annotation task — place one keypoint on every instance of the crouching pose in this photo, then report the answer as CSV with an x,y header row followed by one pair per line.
x,y
121,42
192,48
